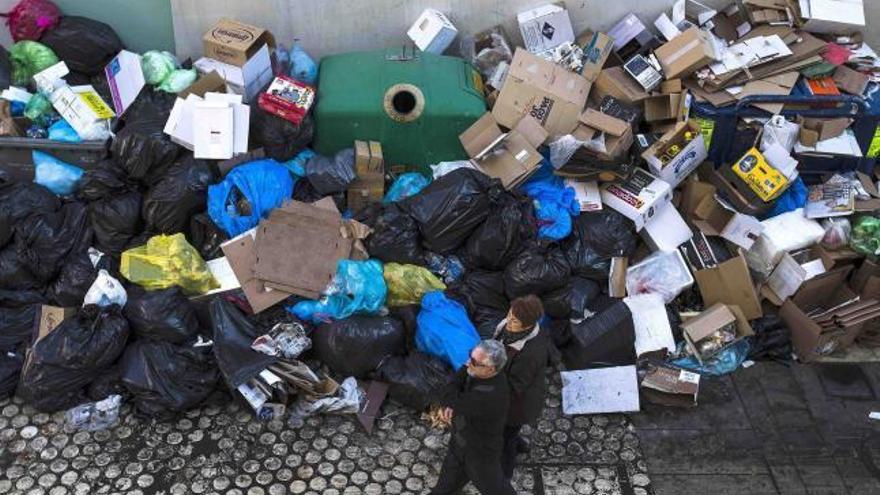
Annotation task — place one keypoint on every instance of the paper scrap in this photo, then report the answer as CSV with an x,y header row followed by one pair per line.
x,y
602,390
651,323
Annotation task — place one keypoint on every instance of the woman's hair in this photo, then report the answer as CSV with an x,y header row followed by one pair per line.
x,y
527,309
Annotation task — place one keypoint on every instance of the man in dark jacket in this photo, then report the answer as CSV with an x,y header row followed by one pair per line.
x,y
477,401
528,351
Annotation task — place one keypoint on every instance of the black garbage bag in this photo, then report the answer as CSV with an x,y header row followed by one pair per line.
x,y
331,174
538,269
415,380
395,238
772,340
450,208
355,346
116,220
486,320
305,192
177,195
166,379
495,243
108,383
17,326
595,238
281,139
141,149
11,362
66,360
165,315
408,315
480,288
205,236
603,340
44,241
15,273
571,300
18,200
74,280
103,181
20,298
233,336
84,44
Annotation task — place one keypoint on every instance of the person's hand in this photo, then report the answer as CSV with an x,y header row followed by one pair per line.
x,y
446,415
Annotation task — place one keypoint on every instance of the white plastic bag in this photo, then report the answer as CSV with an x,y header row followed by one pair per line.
x,y
664,273
837,233
443,168
562,149
779,131
105,291
792,230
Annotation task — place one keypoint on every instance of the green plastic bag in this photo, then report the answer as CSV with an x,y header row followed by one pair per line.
x,y
179,80
866,236
29,58
39,110
408,283
165,261
157,66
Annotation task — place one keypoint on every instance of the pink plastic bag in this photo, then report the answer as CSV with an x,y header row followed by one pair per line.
x,y
30,19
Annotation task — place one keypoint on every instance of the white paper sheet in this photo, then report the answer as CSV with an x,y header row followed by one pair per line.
x,y
651,323
603,390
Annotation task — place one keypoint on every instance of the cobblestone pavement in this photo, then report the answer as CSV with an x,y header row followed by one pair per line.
x,y
223,449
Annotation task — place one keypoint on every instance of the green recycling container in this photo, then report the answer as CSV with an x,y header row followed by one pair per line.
x,y
414,104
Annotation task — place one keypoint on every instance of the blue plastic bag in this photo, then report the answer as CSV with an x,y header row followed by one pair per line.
x,y
59,177
554,203
793,198
61,131
297,164
408,184
726,361
302,67
444,330
264,184
358,287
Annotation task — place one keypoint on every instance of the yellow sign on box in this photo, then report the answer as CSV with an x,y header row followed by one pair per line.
x,y
97,105
761,177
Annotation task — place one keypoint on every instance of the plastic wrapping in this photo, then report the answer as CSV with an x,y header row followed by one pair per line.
x,y
440,169
302,67
837,233
157,66
84,44
39,110
408,283
415,380
493,51
347,400
166,261
444,330
537,270
555,204
357,345
29,58
29,19
357,287
395,238
408,184
178,80
562,149
663,273
779,131
95,416
596,237
866,236
61,131
105,291
177,196
793,198
724,362
59,177
116,220
165,315
247,194
500,238
792,231
329,175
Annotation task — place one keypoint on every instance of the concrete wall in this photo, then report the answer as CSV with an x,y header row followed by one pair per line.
x,y
334,26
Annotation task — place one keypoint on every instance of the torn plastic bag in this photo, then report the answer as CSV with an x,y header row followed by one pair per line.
x,y
347,400
837,233
53,174
142,149
65,361
105,291
84,44
165,379
571,300
165,261
408,184
44,241
165,315
538,269
415,380
334,174
357,287
605,339
205,236
444,330
95,416
247,194
176,196
562,149
866,236
408,283
495,243
233,336
28,58
597,237
357,345
30,19
280,138
11,363
554,203
116,220
16,326
20,199
101,182
395,238
450,208
440,169
724,362
74,280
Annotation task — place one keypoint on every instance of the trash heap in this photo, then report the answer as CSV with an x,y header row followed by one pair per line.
x,y
252,225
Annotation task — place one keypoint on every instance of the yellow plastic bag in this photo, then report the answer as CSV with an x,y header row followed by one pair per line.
x,y
165,261
408,283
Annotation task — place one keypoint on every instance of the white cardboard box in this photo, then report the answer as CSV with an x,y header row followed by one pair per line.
x,y
667,230
241,117
544,28
81,107
246,80
833,16
639,198
432,32
685,162
125,78
179,125
213,129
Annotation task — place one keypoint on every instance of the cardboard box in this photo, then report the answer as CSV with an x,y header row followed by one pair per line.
x,y
716,218
832,16
544,28
211,82
667,230
511,157
639,198
618,135
50,318
248,79
586,193
241,119
213,130
814,130
432,32
125,78
791,272
730,283
81,107
369,164
710,321
850,81
866,280
235,42
180,124
631,37
663,107
614,81
686,53
596,52
538,87
288,98
671,86
692,153
670,386
764,180
617,277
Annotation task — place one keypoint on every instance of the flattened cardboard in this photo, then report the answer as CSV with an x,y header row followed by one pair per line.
x,y
778,85
730,283
614,81
850,81
369,410
234,42
866,281
240,254
670,386
596,52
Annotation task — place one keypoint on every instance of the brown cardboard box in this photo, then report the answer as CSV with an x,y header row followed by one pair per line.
x,y
369,164
814,130
670,386
687,52
511,157
823,292
235,42
614,81
791,272
671,86
713,218
542,89
663,107
50,318
619,136
866,280
730,283
710,321
207,83
850,81
597,47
